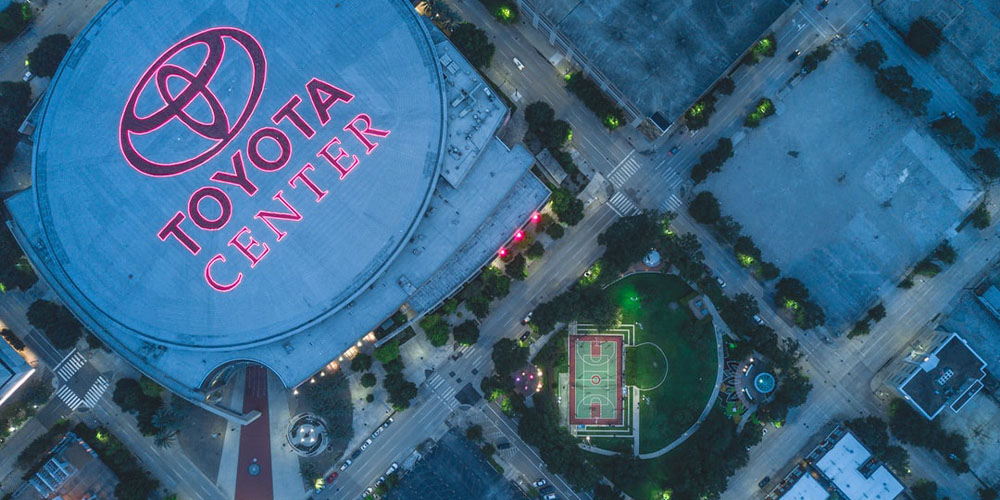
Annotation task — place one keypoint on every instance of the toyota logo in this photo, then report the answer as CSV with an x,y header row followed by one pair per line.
x,y
219,131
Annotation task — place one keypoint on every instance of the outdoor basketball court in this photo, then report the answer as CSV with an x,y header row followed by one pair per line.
x,y
595,380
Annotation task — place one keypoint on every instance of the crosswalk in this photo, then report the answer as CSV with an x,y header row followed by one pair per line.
x,y
624,170
673,203
622,205
70,365
443,390
673,179
90,399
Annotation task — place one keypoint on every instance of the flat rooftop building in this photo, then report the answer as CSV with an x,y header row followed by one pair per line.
x,y
840,467
14,371
938,373
225,183
71,471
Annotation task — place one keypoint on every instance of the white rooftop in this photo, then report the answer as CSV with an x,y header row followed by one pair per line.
x,y
841,465
806,488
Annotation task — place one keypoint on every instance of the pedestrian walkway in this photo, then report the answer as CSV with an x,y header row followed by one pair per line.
x,y
70,365
673,179
69,397
624,170
95,392
622,205
443,390
673,203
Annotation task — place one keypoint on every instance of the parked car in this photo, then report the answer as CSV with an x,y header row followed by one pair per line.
x,y
377,432
546,489
346,464
517,62
525,335
28,75
366,444
503,446
369,491
763,482
673,151
722,283
356,454
757,319
332,477
551,496
793,55
392,468
527,318
822,5
540,483
380,480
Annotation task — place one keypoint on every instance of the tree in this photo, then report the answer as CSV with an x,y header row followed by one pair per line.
x,y
535,251
388,351
811,61
725,86
610,114
13,19
515,268
467,333
924,36
474,432
924,490
127,394
872,432
980,217
877,313
508,356
45,59
945,253
368,380
871,55
910,427
59,325
712,160
496,285
567,207
474,44
987,104
897,84
704,208
12,339
137,486
150,387
538,115
361,362
988,494
926,268
987,161
628,240
436,328
993,128
168,421
955,132
697,115
479,304
790,289
400,390
555,230
810,315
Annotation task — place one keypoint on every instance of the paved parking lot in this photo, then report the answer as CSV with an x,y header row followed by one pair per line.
x,y
846,216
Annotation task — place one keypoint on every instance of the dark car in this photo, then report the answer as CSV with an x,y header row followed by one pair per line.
x,y
822,5
525,335
793,55
673,150
546,489
763,482
356,454
503,446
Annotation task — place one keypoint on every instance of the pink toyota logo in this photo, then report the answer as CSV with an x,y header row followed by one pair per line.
x,y
219,131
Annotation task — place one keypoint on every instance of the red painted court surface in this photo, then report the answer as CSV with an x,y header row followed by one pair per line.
x,y
255,440
595,382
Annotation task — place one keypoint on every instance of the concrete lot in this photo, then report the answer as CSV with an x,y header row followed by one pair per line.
x,y
847,216
662,54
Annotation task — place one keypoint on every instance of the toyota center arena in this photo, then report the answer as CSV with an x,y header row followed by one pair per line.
x,y
234,181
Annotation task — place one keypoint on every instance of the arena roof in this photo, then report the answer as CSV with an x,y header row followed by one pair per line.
x,y
222,174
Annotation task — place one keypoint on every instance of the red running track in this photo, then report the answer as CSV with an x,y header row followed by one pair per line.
x,y
255,440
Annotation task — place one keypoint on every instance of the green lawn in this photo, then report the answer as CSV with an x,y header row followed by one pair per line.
x,y
690,349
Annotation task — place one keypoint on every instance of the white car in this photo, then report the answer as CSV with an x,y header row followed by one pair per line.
x,y
540,483
392,468
517,62
346,464
366,444
759,320
550,496
370,490
722,284
28,75
527,319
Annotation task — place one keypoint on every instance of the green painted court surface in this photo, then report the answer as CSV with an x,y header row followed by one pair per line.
x,y
595,379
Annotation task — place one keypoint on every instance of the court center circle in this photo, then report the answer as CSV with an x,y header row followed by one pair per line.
x,y
596,380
